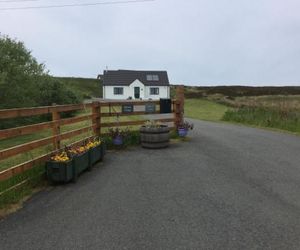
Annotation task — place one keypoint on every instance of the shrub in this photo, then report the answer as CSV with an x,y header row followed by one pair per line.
x,y
25,83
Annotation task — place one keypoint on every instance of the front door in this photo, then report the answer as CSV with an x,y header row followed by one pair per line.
x,y
137,92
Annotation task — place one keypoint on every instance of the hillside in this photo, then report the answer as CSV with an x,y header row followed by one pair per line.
x,y
91,87
237,91
85,87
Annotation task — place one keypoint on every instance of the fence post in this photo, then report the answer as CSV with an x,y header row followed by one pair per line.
x,y
176,114
179,105
99,119
56,127
96,123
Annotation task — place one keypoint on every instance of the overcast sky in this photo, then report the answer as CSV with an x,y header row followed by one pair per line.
x,y
199,42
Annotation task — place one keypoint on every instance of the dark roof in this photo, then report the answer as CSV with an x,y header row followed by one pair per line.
x,y
126,77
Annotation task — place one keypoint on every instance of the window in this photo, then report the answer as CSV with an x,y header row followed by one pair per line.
x,y
118,91
155,77
154,91
152,78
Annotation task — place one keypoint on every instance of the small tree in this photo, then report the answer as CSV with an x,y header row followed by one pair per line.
x,y
19,74
25,83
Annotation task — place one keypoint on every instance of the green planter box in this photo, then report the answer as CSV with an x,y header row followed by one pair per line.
x,y
59,171
67,171
80,163
96,154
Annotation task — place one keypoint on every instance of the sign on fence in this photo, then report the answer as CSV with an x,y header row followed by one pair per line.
x,y
127,108
150,108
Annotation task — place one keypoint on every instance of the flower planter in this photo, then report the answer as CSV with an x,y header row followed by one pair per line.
x,y
155,137
69,163
182,132
96,154
118,140
59,171
80,163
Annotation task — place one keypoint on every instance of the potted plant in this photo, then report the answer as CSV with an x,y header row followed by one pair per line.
x,y
60,168
154,135
118,135
184,127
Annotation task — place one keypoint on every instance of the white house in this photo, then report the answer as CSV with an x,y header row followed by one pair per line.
x,y
133,84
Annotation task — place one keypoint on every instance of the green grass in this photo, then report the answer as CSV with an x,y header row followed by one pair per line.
x,y
33,178
85,87
268,112
203,109
265,117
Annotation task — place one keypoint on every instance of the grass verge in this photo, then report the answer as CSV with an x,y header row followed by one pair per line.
x,y
277,117
267,118
204,109
24,185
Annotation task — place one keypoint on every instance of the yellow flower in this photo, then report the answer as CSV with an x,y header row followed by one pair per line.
x,y
62,157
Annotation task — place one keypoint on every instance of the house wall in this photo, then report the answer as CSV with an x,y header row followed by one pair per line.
x,y
164,92
108,93
128,91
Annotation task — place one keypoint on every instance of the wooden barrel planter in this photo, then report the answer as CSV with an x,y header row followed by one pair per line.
x,y
155,137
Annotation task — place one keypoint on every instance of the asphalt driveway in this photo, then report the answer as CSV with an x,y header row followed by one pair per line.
x,y
229,187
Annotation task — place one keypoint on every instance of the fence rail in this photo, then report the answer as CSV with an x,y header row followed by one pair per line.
x,y
23,112
96,112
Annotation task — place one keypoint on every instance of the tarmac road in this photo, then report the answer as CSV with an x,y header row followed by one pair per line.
x,y
229,187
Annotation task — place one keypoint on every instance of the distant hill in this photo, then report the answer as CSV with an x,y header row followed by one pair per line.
x,y
92,87
236,91
85,87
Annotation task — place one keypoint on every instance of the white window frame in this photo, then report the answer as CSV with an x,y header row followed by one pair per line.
x,y
155,91
118,92
152,78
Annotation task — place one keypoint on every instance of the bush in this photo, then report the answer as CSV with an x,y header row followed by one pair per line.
x,y
53,91
25,83
19,74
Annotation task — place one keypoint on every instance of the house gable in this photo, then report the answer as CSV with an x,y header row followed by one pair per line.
x,y
137,83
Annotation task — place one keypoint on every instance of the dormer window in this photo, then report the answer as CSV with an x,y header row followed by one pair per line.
x,y
152,78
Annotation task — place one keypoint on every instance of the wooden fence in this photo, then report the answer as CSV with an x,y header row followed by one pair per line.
x,y
94,112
